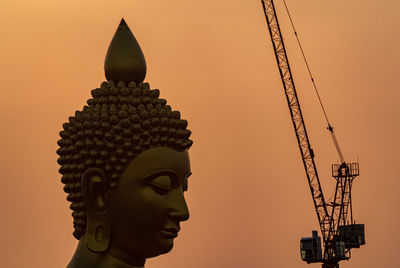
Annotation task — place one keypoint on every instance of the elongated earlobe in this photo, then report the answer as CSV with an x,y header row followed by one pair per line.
x,y
98,227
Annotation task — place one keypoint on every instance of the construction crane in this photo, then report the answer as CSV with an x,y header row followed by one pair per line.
x,y
339,232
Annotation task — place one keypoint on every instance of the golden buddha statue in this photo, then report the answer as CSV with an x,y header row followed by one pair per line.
x,y
125,165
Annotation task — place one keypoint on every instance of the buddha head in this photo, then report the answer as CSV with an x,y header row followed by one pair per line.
x,y
124,162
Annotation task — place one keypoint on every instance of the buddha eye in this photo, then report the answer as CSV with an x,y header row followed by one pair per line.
x,y
161,184
185,185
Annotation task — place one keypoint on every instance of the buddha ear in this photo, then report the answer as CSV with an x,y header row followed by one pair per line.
x,y
94,187
98,228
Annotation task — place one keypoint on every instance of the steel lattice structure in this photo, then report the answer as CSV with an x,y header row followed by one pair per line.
x,y
329,220
297,117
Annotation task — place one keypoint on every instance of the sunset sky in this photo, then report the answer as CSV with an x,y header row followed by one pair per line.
x,y
213,61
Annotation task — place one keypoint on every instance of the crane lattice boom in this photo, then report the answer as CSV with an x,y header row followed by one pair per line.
x,y
338,238
297,116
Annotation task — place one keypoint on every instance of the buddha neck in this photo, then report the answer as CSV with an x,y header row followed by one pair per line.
x,y
84,258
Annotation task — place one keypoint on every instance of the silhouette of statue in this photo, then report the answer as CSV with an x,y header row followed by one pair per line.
x,y
125,165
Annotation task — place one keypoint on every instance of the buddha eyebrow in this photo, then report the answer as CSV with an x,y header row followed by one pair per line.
x,y
188,175
158,173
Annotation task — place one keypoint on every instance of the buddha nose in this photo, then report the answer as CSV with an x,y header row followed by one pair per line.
x,y
178,209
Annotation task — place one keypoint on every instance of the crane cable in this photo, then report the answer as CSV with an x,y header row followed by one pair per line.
x,y
330,128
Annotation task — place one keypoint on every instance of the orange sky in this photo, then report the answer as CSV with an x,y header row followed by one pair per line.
x,y
214,62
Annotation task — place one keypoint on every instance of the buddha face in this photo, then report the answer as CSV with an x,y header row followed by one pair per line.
x,y
148,205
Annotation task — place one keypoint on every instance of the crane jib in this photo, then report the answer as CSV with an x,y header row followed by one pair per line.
x,y
297,117
338,236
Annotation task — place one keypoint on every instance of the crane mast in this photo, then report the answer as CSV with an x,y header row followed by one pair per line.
x,y
338,238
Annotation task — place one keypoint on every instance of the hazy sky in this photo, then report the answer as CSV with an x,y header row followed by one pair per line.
x,y
213,61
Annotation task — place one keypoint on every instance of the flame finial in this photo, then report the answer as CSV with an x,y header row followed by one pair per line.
x,y
124,60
